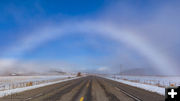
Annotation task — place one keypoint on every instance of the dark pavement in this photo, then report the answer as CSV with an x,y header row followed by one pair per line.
x,y
90,88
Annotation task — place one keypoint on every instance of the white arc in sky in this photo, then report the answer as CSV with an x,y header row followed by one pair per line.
x,y
162,62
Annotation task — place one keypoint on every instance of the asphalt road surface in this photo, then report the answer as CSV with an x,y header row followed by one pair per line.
x,y
90,88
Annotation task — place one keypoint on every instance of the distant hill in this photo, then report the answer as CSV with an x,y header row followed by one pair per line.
x,y
30,73
141,71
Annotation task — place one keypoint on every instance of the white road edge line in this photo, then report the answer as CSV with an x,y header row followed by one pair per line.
x,y
28,99
137,99
33,97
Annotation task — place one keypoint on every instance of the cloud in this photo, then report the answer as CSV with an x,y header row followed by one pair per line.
x,y
4,63
8,66
103,69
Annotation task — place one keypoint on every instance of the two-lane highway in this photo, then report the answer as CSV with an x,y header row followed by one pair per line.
x,y
90,88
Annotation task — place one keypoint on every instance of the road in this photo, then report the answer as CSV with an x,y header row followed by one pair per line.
x,y
90,88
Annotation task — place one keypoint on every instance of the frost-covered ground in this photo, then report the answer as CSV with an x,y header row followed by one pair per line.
x,y
14,84
161,81
151,83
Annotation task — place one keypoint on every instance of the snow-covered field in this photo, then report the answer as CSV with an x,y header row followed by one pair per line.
x,y
151,83
161,81
14,84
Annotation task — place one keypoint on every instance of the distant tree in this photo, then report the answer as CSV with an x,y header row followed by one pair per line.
x,y
79,74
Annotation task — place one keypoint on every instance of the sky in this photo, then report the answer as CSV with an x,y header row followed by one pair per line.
x,y
99,36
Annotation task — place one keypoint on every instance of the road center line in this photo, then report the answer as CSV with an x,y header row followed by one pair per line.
x,y
82,98
87,84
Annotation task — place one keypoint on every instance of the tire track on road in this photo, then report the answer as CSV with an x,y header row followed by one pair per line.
x,y
139,93
98,93
45,93
110,96
60,93
75,97
88,95
123,91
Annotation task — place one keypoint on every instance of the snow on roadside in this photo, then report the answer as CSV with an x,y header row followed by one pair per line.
x,y
12,82
161,81
151,88
18,90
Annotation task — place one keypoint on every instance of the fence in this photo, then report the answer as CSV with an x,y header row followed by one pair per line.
x,y
14,85
159,83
